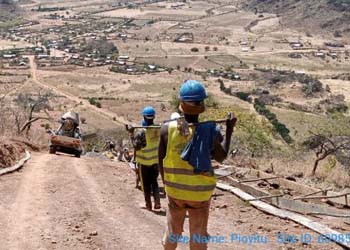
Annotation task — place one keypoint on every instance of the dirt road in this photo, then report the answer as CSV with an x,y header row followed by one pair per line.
x,y
61,202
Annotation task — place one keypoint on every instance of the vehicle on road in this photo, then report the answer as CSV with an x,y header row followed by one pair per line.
x,y
67,138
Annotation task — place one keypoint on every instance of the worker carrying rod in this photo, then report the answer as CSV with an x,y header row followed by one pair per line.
x,y
145,142
185,165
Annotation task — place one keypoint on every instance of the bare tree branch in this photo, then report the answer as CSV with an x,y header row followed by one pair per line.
x,y
28,123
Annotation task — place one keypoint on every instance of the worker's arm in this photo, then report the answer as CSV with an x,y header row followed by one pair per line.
x,y
138,140
222,145
59,130
162,148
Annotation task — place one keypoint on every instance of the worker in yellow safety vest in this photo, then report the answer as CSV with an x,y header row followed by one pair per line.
x,y
146,143
189,181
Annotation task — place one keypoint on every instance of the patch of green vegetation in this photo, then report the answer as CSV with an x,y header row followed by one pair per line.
x,y
337,125
210,102
310,87
302,125
252,135
260,107
11,23
194,49
94,102
103,48
243,96
280,128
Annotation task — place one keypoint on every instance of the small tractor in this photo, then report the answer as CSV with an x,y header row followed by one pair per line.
x,y
67,138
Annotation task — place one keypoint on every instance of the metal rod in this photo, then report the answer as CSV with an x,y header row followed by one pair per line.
x,y
259,179
324,191
329,214
189,124
321,197
153,126
265,197
223,176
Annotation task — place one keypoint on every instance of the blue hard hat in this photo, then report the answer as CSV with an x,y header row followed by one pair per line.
x,y
148,111
192,91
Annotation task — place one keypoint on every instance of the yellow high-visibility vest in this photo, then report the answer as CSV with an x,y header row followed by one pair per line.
x,y
149,155
179,178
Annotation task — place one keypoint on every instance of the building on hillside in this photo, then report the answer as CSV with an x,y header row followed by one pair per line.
x,y
184,38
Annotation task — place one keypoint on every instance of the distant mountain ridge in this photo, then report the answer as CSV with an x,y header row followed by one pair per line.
x,y
312,16
7,10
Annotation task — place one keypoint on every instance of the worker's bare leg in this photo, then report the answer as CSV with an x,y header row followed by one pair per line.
x,y
176,214
198,219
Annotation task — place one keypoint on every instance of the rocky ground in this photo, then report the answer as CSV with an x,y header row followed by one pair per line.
x,y
11,150
62,202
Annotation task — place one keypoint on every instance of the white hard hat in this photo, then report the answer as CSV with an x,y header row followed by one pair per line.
x,y
174,116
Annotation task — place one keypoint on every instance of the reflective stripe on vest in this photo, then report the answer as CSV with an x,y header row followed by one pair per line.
x,y
179,179
148,155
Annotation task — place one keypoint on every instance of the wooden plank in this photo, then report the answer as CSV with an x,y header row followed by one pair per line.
x,y
249,189
265,197
223,176
298,187
259,179
288,204
315,226
308,208
221,173
17,166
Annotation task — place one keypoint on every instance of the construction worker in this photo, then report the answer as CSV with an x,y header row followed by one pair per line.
x,y
70,125
146,143
189,190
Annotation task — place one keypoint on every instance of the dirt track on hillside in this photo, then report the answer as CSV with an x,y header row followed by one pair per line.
x,y
102,112
61,202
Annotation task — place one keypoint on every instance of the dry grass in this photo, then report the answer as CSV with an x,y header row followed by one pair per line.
x,y
6,44
300,123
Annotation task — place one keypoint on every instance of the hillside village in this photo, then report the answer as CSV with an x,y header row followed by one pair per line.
x,y
127,45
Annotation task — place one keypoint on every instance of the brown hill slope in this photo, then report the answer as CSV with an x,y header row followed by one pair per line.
x,y
313,16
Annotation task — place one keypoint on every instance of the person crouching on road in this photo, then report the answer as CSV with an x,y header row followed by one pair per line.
x,y
146,143
185,166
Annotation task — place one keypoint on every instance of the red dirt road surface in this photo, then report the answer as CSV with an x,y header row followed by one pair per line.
x,y
62,202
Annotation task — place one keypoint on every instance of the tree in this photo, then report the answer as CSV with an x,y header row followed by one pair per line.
x,y
103,47
331,139
326,146
23,112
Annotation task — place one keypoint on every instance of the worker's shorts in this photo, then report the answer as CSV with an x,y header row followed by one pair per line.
x,y
198,213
